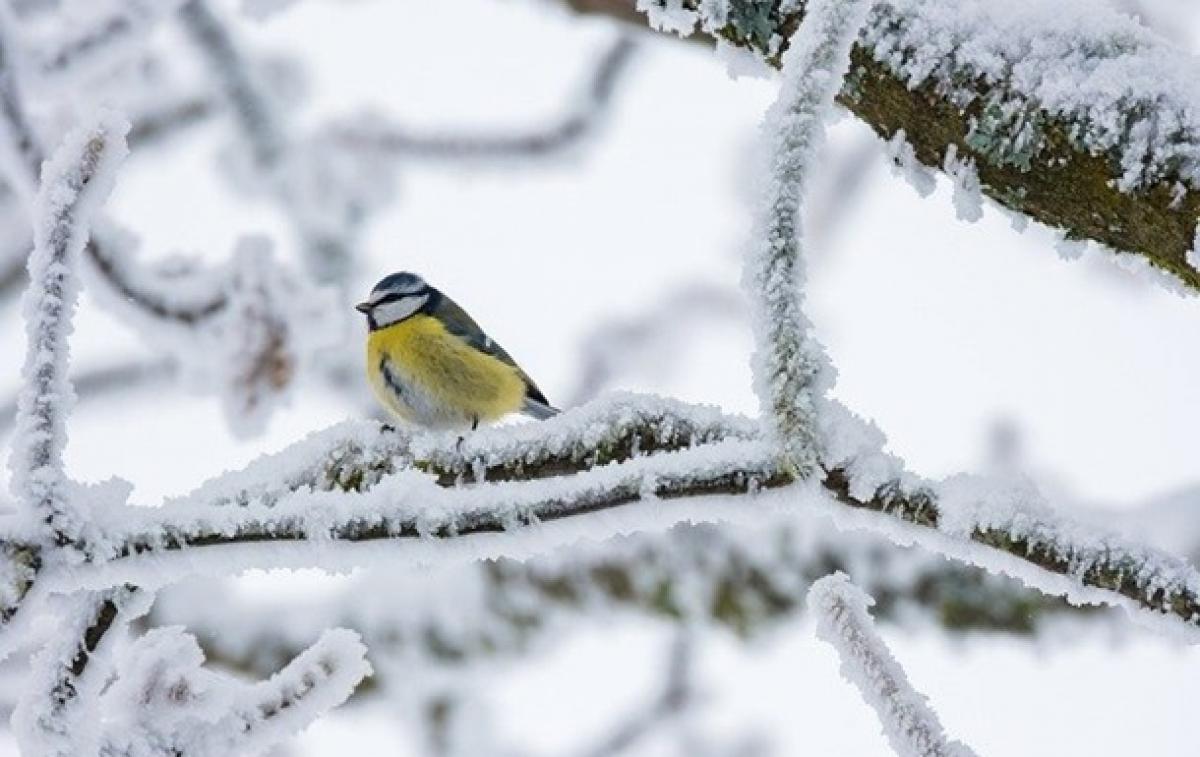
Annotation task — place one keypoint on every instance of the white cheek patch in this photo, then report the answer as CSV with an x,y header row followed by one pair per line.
x,y
394,312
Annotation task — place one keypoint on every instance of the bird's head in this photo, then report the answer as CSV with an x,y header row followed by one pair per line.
x,y
394,299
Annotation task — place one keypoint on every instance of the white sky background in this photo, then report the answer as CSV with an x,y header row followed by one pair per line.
x,y
939,330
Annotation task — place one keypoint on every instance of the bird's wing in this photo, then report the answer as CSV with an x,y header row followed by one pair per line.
x,y
460,324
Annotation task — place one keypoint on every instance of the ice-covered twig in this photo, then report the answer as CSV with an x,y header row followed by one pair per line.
x,y
788,364
104,36
384,138
20,147
910,724
251,107
138,291
153,124
619,344
676,697
1041,98
323,216
57,715
74,183
165,703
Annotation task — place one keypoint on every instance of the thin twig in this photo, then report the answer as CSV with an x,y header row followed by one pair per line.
x,y
910,724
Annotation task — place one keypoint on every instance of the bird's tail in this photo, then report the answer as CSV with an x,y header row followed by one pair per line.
x,y
539,410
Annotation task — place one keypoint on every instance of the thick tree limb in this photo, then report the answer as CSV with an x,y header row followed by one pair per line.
x,y
1120,170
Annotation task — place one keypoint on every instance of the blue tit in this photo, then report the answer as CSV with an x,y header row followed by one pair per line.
x,y
430,363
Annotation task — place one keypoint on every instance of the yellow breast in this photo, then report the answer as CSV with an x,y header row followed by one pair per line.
x,y
436,379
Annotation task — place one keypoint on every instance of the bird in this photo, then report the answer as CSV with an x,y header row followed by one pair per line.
x,y
431,365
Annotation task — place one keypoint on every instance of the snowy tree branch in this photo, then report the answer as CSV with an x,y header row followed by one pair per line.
x,y
23,152
87,46
788,364
676,697
61,713
356,484
910,724
323,224
56,717
747,580
397,140
74,183
255,116
1096,133
166,704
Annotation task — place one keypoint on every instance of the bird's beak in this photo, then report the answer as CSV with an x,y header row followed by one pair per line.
x,y
363,307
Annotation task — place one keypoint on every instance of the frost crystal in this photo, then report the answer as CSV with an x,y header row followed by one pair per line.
x,y
906,166
669,16
968,200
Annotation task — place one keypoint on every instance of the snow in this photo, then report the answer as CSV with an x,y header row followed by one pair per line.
x,y
910,724
669,16
855,446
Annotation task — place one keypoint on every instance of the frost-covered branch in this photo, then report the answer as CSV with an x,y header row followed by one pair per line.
x,y
165,703
57,714
788,364
20,147
251,107
910,724
139,291
745,579
355,484
152,125
323,208
676,697
98,40
1087,123
625,345
74,183
384,138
